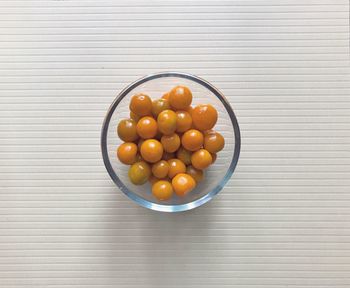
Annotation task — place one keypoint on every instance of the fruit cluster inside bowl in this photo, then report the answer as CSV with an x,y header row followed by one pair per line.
x,y
169,142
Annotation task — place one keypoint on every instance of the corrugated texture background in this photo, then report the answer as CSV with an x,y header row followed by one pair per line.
x,y
282,221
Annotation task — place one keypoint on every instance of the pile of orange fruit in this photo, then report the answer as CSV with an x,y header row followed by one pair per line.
x,y
168,142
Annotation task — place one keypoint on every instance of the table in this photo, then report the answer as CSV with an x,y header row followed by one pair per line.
x,y
282,220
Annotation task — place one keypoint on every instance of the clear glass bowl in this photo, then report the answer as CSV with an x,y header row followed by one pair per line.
x,y
216,175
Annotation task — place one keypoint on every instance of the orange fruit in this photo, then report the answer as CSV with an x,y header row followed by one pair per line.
x,y
176,166
213,155
162,190
168,156
204,117
139,173
170,142
147,127
183,184
213,142
160,169
166,96
189,109
201,159
159,105
167,122
196,174
183,121
127,153
170,134
192,140
141,105
180,97
127,130
184,155
134,117
151,150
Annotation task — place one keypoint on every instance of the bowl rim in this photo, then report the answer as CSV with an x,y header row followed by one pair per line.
x,y
162,207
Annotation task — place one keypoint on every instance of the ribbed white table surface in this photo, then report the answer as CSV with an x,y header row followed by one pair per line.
x,y
282,221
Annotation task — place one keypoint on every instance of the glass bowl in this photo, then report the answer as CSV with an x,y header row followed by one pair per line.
x,y
216,175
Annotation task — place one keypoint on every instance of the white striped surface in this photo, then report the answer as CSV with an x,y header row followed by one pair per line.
x,y
282,221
